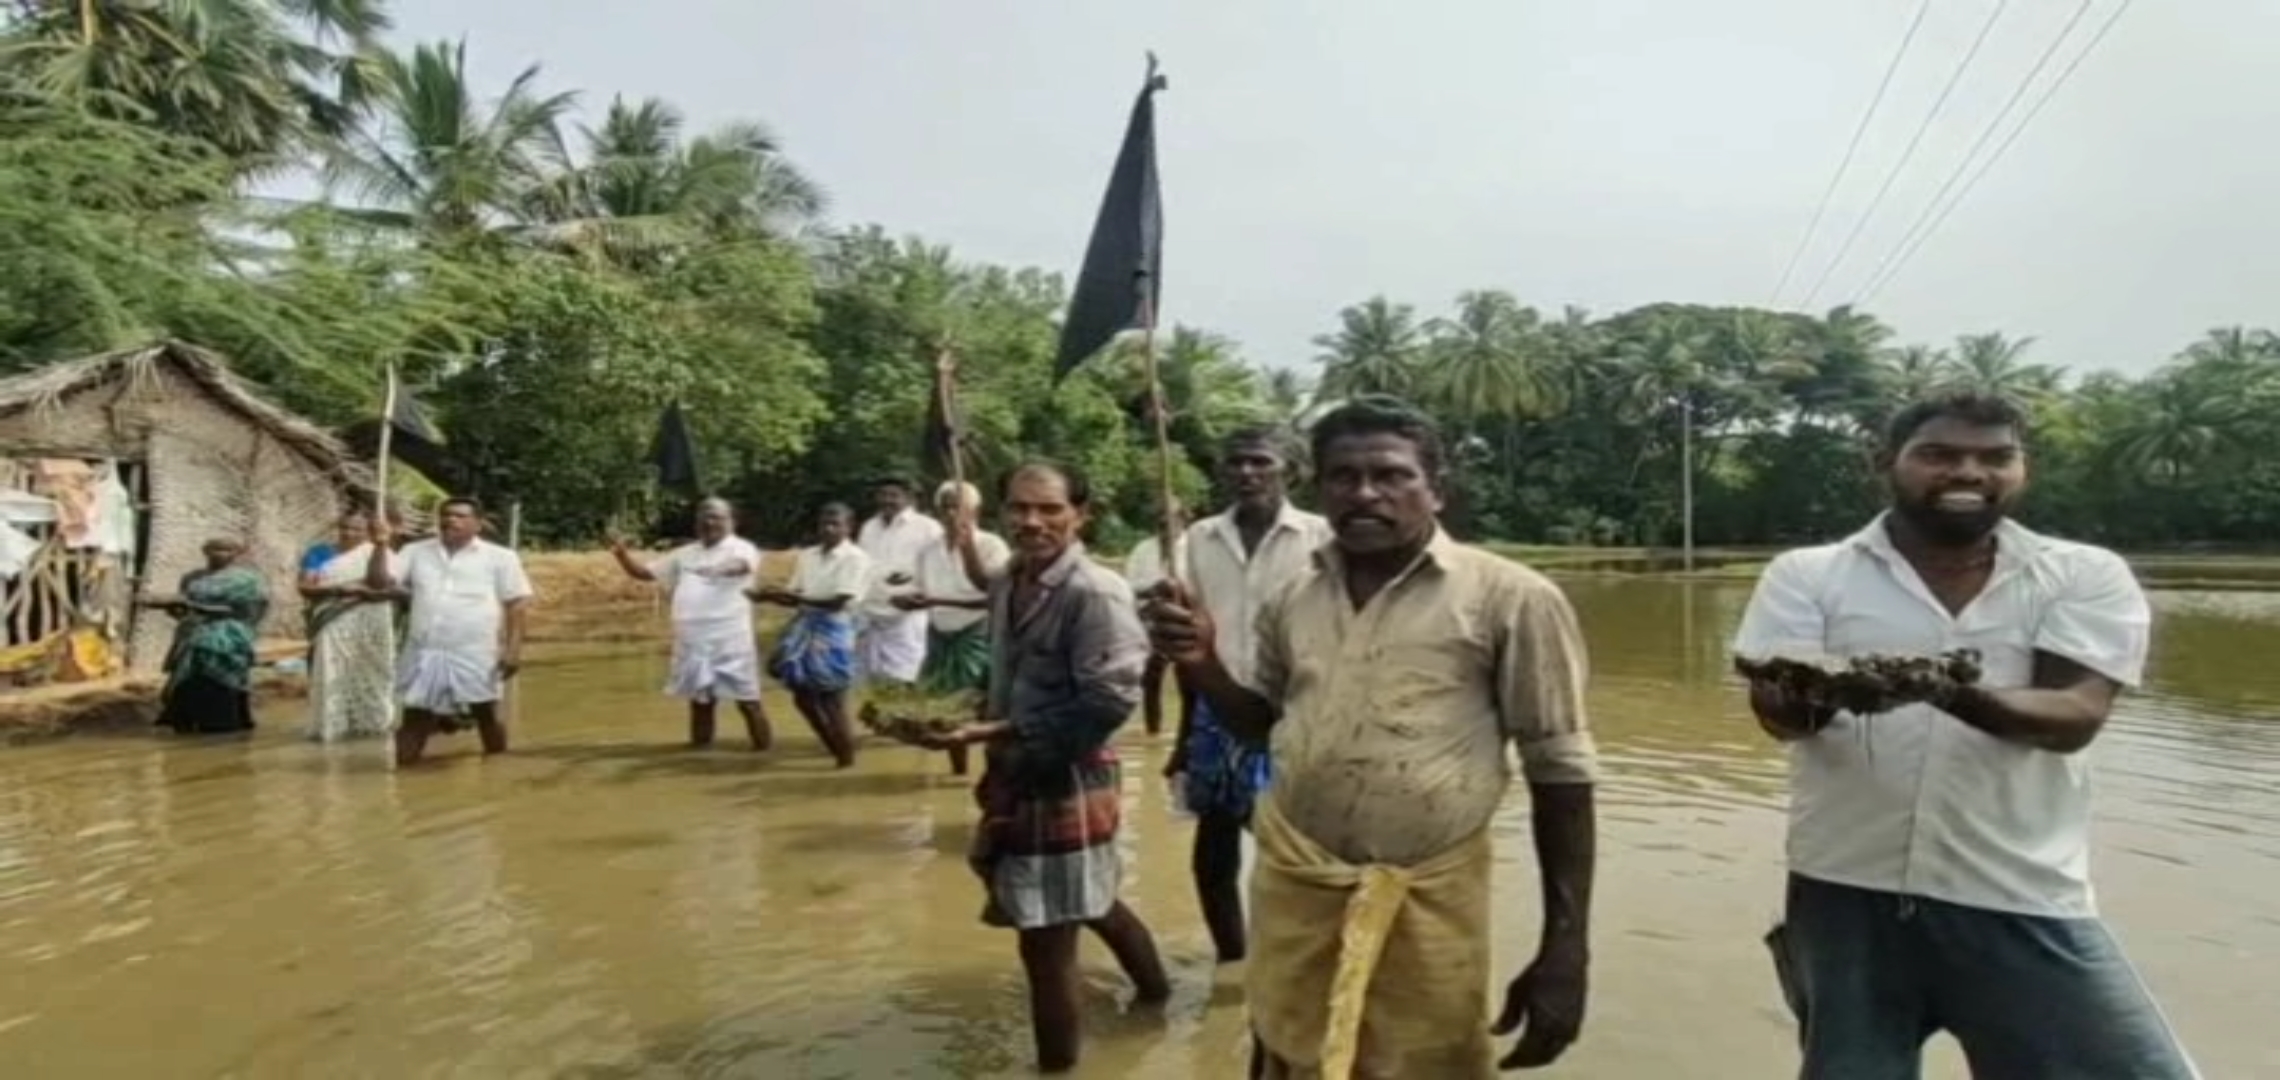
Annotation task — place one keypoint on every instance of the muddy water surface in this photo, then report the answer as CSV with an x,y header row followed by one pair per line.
x,y
603,905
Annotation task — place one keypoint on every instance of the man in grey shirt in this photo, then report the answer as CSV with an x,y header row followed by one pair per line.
x,y
1068,652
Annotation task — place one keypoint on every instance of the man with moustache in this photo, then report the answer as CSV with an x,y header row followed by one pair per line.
x,y
1939,853
468,600
1066,656
1235,560
1391,676
715,654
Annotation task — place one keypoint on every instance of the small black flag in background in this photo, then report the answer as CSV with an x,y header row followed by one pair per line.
x,y
409,419
1126,252
674,453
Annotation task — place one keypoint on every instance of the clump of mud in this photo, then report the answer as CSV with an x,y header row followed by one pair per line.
x,y
910,715
1865,685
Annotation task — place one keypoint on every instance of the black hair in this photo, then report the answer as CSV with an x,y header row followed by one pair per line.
x,y
1975,409
1274,437
1378,414
1073,482
474,506
830,508
897,482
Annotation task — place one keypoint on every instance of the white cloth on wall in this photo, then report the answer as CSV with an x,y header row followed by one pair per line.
x,y
113,530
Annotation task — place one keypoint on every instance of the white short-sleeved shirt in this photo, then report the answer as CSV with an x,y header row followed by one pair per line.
x,y
1144,565
458,597
704,597
942,576
819,575
1916,801
1232,584
894,548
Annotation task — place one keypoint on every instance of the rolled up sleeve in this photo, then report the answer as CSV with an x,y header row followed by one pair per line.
x,y
1542,670
2100,618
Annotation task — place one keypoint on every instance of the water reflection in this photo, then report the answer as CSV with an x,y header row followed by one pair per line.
x,y
603,904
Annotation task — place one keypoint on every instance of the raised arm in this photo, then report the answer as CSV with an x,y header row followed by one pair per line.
x,y
2091,643
633,568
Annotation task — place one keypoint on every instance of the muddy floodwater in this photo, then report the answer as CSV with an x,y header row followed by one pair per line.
x,y
603,905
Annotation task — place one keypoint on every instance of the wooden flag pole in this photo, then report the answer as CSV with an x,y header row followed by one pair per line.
x,y
946,397
1167,505
380,500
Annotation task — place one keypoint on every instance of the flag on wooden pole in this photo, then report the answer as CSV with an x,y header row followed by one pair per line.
x,y
1120,286
1121,282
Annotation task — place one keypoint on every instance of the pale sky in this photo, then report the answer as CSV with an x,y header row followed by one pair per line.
x,y
1604,153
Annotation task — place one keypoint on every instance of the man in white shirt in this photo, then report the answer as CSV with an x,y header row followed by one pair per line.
x,y
715,655
954,578
1232,562
892,641
1143,567
815,657
1939,853
466,628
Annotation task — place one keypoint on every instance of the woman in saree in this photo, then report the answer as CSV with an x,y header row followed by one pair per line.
x,y
209,671
352,638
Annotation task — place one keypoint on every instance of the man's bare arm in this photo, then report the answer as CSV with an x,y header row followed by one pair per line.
x,y
1564,820
1244,712
2062,712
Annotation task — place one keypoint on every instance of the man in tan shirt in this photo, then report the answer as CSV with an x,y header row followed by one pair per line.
x,y
1388,679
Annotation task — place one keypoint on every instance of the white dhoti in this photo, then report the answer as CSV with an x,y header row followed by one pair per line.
x,y
892,646
714,659
445,681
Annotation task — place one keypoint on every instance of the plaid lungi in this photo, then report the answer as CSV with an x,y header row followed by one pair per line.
x,y
1046,845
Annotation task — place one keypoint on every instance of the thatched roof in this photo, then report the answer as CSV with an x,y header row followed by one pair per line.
x,y
48,386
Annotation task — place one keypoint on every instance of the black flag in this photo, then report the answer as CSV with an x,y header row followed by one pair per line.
x,y
674,453
411,420
1126,253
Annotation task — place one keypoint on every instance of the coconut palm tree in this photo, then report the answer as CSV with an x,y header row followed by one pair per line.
x,y
1376,350
260,80
442,164
644,188
1991,364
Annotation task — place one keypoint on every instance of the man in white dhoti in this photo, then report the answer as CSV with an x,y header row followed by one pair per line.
x,y
466,629
892,643
715,655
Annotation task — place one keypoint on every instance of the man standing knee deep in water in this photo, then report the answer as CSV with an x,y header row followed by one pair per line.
x,y
1067,652
1939,852
1234,561
466,628
891,643
715,654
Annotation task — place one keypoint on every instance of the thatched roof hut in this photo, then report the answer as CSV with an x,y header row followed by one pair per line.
x,y
202,455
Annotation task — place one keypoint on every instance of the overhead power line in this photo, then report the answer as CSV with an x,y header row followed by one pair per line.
x,y
1829,195
2018,94
1907,153
2032,112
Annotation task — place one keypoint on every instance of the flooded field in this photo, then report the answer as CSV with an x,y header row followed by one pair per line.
x,y
604,905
